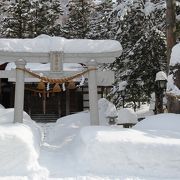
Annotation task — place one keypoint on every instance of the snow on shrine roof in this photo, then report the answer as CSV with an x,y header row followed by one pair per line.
x,y
175,55
44,43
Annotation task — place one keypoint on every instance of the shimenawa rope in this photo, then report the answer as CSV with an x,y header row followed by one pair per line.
x,y
59,80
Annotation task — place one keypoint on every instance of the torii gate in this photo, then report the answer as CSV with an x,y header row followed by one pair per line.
x,y
56,51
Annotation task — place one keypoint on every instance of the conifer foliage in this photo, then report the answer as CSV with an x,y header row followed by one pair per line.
x,y
100,24
77,25
29,18
139,25
140,29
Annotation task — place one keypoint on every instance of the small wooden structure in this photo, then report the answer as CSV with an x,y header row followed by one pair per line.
x,y
56,51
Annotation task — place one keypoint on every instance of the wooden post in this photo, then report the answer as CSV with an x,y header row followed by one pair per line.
x,y
93,96
44,101
67,102
19,92
171,27
59,105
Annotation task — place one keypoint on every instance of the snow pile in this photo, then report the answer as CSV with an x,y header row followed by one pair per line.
x,y
111,151
19,146
106,109
171,87
1,106
7,117
17,151
145,109
126,115
66,128
175,55
167,121
175,60
46,44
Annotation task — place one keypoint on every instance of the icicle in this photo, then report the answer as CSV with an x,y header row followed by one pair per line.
x,y
63,87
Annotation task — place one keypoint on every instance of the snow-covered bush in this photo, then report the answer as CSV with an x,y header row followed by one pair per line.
x,y
167,121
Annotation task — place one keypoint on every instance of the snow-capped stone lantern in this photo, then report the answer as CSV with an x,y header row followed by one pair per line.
x,y
161,81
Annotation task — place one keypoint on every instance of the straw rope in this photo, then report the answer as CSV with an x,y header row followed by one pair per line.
x,y
57,80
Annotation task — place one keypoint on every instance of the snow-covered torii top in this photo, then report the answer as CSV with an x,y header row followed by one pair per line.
x,y
56,51
74,50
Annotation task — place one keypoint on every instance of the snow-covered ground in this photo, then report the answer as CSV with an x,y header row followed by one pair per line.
x,y
71,149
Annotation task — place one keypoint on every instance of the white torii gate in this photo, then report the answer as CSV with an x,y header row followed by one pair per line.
x,y
56,51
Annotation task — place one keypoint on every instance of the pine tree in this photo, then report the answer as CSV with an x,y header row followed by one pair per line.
x,y
100,25
14,20
77,25
27,18
141,34
44,17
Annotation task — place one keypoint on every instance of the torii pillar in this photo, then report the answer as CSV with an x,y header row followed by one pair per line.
x,y
93,96
19,92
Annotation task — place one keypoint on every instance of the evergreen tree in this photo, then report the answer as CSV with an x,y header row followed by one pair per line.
x,y
178,20
29,18
140,29
77,25
44,17
14,18
100,25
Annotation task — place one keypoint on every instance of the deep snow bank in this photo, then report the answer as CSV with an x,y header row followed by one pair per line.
x,y
126,115
114,151
66,128
19,146
168,121
1,106
17,150
7,117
